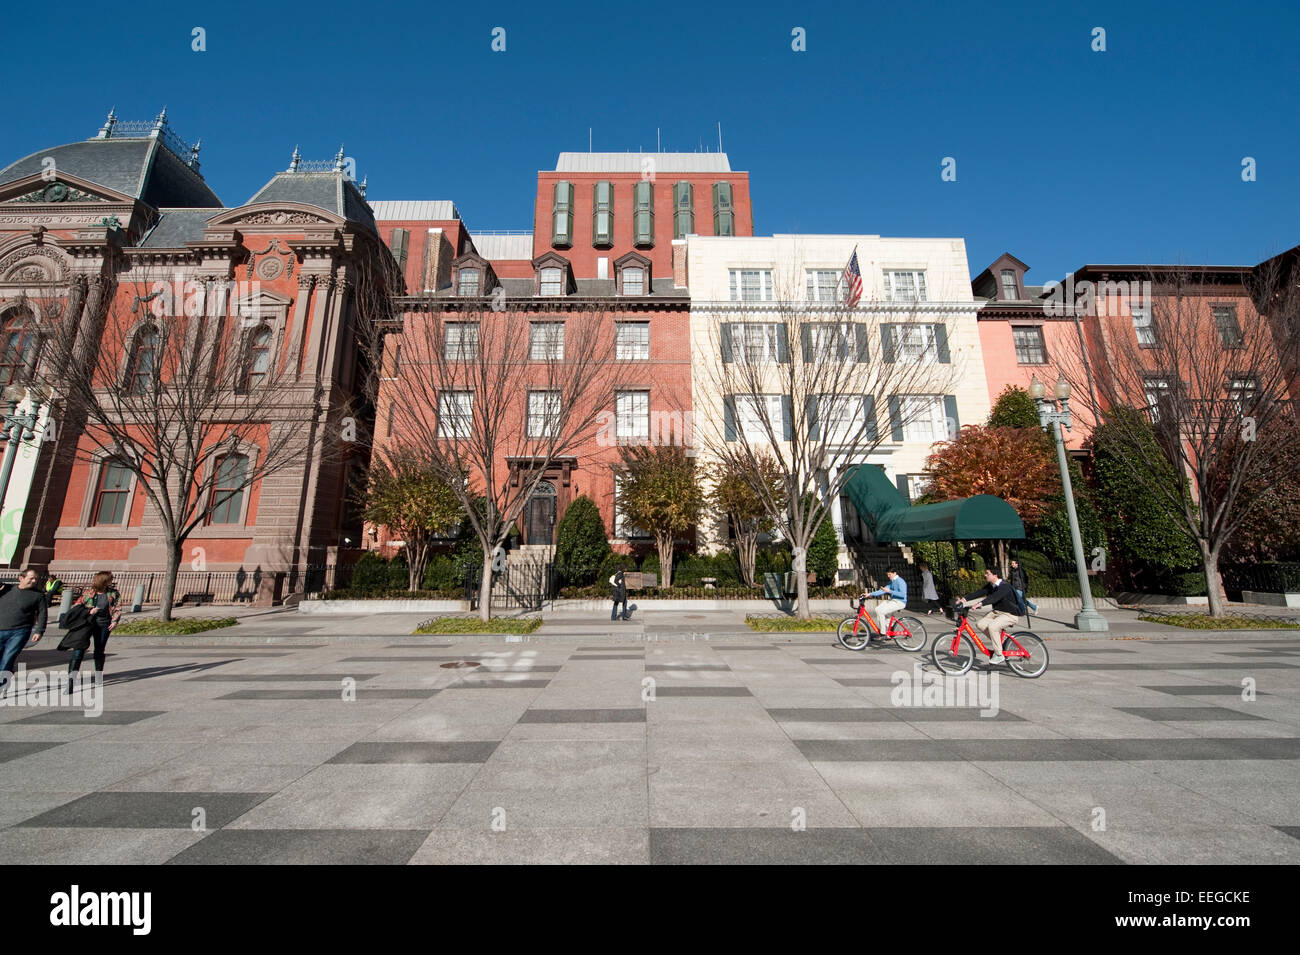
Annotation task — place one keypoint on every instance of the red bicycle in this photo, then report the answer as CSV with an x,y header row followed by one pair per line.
x,y
854,633
954,653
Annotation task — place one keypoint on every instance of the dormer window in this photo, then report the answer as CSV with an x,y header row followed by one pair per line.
x,y
632,274
470,282
633,280
1010,288
552,281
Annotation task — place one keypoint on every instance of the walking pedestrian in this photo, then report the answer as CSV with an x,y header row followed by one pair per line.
x,y
103,606
929,593
1019,581
22,615
618,590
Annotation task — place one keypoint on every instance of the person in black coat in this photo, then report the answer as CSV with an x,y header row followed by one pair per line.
x,y
618,590
81,628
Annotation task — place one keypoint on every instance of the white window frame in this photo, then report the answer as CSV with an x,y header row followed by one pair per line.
x,y
1042,344
546,341
1154,387
918,426
757,289
846,410
915,292
548,414
756,343
478,281
632,416
632,341
1242,389
749,421
551,280
915,344
815,284
455,414
1143,327
640,274
825,338
454,344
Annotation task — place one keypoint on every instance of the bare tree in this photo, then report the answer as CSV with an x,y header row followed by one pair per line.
x,y
181,390
806,385
497,392
1212,366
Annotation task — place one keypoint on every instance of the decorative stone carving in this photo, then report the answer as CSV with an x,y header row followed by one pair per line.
x,y
30,264
272,268
58,192
279,218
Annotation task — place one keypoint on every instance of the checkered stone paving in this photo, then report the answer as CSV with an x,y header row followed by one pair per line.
x,y
730,749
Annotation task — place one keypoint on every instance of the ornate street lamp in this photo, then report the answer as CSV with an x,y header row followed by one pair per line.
x,y
1049,417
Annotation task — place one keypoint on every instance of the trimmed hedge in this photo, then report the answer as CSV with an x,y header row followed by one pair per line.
x,y
791,624
693,593
474,625
180,625
442,593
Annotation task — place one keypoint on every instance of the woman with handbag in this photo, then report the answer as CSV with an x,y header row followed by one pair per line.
x,y
102,604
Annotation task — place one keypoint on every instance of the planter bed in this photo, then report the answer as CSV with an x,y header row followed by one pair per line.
x,y
1270,600
383,605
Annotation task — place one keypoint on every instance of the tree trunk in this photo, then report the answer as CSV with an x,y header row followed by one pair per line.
x,y
1213,581
665,546
800,567
169,578
418,559
485,587
747,553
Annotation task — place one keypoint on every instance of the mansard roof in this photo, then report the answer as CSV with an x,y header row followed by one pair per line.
x,y
332,191
143,168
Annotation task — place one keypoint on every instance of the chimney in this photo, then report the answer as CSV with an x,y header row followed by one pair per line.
x,y
679,263
437,261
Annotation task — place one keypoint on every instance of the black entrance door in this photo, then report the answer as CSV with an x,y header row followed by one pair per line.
x,y
541,514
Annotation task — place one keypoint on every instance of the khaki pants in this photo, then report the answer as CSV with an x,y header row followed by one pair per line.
x,y
992,624
883,610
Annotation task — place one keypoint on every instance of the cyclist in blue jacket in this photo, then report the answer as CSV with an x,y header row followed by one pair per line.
x,y
897,592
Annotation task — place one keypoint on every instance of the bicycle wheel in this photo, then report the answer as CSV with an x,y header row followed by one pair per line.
x,y
1035,664
953,660
850,639
909,633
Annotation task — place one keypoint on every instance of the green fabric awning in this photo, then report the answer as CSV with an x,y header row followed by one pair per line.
x,y
891,518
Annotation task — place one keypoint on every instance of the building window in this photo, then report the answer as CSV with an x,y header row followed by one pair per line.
x,y
915,344
724,212
1030,349
918,485
469,282
461,342
683,210
562,215
17,346
632,416
633,280
1243,390
905,286
455,414
632,341
1225,319
113,494
228,490
602,214
923,418
259,358
552,281
1010,288
756,343
543,414
142,372
824,285
839,419
1145,331
546,341
398,244
756,413
643,215
830,342
751,285
1157,391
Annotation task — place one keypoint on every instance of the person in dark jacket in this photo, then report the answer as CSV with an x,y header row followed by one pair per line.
x,y
1019,581
81,628
618,590
1004,611
22,615
103,609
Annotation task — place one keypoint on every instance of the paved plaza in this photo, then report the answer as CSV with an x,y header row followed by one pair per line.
x,y
685,742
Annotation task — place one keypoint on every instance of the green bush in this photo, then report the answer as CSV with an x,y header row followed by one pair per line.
x,y
823,551
650,564
456,592
442,573
580,540
475,625
374,573
771,560
610,564
1186,584
181,625
1063,587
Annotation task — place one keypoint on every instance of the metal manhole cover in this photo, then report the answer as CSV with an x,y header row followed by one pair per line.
x,y
460,665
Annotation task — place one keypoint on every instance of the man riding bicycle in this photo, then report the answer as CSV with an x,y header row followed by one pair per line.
x,y
1004,611
897,591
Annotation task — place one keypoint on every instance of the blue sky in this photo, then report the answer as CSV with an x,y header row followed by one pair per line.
x,y
1063,155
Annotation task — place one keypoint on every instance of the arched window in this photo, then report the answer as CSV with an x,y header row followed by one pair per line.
x,y
16,343
259,358
142,372
228,490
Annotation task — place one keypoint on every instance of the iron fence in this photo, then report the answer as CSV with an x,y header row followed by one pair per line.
x,y
224,587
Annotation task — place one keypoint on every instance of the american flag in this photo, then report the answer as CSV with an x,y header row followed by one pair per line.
x,y
852,281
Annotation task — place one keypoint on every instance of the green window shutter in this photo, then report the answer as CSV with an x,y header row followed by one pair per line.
x,y
644,216
806,343
810,405
562,215
950,412
782,343
901,481
683,210
602,214
887,343
895,419
787,418
729,417
860,334
941,343
869,413
726,345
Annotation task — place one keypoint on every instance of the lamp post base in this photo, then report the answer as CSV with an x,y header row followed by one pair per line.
x,y
1091,621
